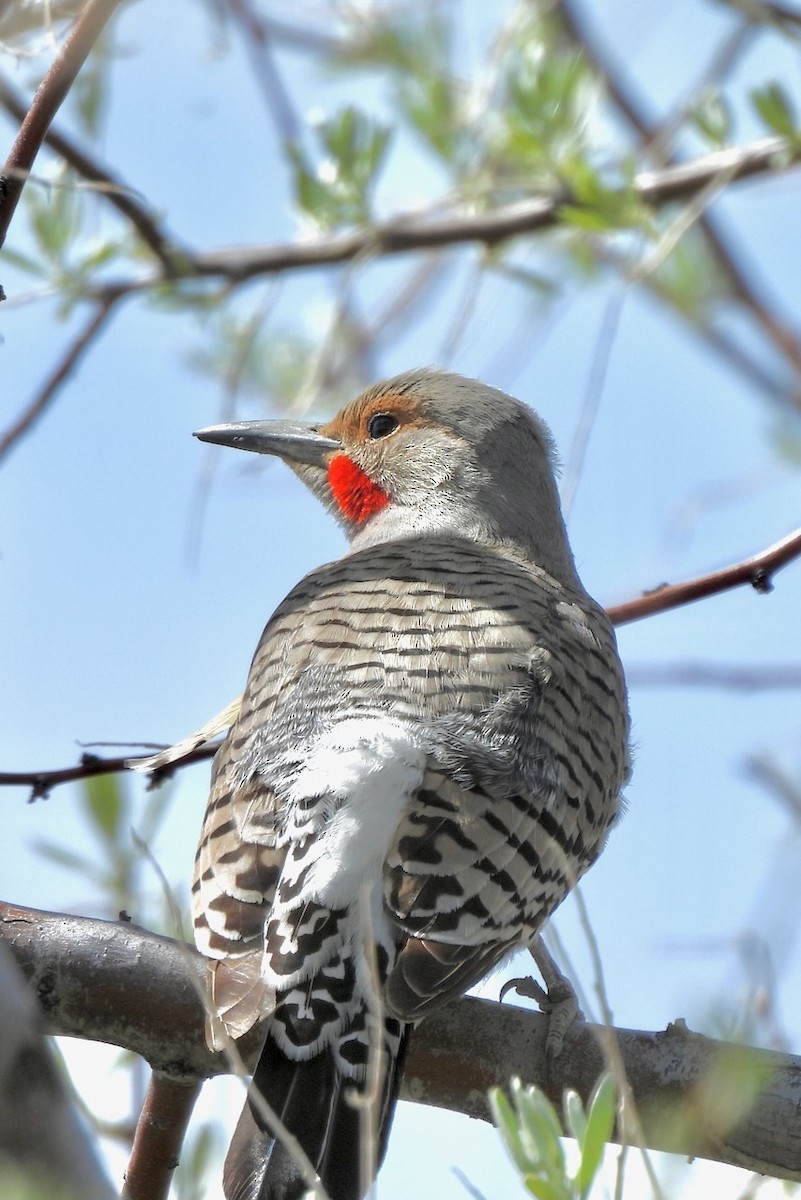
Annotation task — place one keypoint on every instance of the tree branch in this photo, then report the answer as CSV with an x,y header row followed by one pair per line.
x,y
60,373
41,783
757,571
49,96
39,1130
422,232
728,260
120,984
118,193
719,675
159,1136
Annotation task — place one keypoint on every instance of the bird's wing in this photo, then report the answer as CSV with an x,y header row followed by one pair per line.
x,y
234,884
515,805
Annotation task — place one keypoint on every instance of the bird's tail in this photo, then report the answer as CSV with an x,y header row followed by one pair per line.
x,y
314,1101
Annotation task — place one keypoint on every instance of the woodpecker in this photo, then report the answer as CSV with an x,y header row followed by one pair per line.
x,y
429,753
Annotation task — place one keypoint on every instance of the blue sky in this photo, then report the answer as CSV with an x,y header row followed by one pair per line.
x,y
127,617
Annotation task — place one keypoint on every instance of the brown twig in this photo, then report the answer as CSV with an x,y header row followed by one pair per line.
x,y
42,783
27,418
117,983
729,261
758,571
302,37
759,11
257,36
49,96
422,232
718,675
40,1131
782,786
117,192
159,1136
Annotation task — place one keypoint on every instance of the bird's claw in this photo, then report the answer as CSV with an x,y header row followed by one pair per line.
x,y
557,1000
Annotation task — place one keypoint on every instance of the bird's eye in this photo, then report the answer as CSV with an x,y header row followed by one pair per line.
x,y
381,425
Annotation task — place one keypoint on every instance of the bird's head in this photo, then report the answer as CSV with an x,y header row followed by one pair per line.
x,y
426,452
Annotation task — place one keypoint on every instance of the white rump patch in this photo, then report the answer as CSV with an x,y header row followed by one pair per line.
x,y
370,767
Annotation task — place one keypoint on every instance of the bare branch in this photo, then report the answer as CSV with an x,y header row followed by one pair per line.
x,y
49,96
781,786
729,261
59,375
423,231
758,571
783,16
39,1131
120,984
41,783
159,1136
257,37
719,675
117,192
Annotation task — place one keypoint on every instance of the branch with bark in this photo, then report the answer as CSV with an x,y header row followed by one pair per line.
x,y
39,1131
424,231
64,369
726,253
117,983
49,96
758,571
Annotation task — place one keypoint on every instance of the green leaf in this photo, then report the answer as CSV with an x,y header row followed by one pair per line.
x,y
63,857
540,1130
336,191
575,1117
102,253
105,803
54,217
546,1188
190,1180
601,1110
505,1121
22,262
90,92
776,109
711,114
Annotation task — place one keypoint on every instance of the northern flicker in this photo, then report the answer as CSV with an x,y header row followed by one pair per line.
x,y
429,753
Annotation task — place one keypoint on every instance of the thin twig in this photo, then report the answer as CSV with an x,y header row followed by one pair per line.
x,y
42,783
58,377
159,1137
758,571
738,677
108,185
729,261
257,36
422,231
786,18
49,96
631,1131
592,399
783,787
308,38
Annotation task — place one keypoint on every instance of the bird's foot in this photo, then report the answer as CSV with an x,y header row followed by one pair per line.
x,y
557,1000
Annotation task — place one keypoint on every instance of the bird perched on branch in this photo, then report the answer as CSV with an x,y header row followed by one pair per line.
x,y
429,753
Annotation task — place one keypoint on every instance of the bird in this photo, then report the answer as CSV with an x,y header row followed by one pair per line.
x,y
430,751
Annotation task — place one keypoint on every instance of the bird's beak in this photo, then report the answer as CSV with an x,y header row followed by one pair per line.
x,y
290,440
